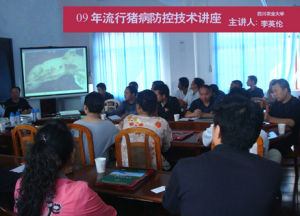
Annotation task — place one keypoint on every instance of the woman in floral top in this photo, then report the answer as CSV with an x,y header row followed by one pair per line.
x,y
146,118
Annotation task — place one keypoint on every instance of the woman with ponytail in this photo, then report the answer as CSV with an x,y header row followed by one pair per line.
x,y
44,189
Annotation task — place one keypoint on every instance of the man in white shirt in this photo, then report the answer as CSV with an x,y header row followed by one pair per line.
x,y
183,88
194,93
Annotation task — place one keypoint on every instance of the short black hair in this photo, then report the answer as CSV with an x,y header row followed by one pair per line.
x,y
253,78
239,91
184,82
156,83
15,87
134,84
214,88
132,89
199,82
162,89
238,82
102,86
283,84
205,86
148,101
240,121
94,102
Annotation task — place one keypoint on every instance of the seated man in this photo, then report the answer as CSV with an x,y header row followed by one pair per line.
x,y
203,106
16,103
216,92
286,109
194,93
168,105
101,87
128,106
253,90
227,180
183,88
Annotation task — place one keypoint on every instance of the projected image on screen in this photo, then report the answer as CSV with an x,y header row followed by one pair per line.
x,y
54,71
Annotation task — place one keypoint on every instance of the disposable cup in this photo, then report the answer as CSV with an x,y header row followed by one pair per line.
x,y
103,116
281,128
176,117
100,164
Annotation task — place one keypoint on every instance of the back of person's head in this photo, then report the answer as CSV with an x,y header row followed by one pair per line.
x,y
240,121
94,102
132,89
239,92
253,78
162,89
236,83
184,82
198,82
283,84
148,101
50,152
156,83
134,84
102,86
214,88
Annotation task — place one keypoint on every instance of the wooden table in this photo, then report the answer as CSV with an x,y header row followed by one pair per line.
x,y
88,173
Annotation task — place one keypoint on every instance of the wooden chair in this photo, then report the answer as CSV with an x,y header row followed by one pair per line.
x,y
259,142
145,145
183,104
262,102
78,131
23,138
111,104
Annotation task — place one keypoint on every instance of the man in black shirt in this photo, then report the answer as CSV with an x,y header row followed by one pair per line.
x,y
227,180
286,109
16,103
101,87
253,90
203,106
168,105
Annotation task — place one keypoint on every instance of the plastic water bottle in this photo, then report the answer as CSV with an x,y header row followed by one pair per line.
x,y
17,118
12,119
37,114
32,115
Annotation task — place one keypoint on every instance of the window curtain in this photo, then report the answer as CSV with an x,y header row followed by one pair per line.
x,y
120,58
266,55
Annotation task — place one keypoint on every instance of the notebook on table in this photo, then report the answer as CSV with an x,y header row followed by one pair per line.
x,y
125,178
181,134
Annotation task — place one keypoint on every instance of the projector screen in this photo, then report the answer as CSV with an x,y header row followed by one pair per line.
x,y
54,71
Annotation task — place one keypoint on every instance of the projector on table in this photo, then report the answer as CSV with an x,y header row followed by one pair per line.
x,y
69,114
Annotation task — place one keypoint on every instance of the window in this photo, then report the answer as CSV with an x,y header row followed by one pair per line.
x,y
120,58
266,55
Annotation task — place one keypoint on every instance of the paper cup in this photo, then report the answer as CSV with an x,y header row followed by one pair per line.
x,y
100,164
176,117
103,116
281,128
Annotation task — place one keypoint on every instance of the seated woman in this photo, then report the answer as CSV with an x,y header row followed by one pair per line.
x,y
44,189
202,107
104,132
147,109
128,106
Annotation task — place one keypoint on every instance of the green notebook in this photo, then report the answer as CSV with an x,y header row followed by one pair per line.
x,y
126,178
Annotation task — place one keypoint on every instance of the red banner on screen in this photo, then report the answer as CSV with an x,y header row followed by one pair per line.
x,y
181,19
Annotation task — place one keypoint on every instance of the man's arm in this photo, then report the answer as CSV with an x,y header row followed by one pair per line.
x,y
171,200
119,111
287,121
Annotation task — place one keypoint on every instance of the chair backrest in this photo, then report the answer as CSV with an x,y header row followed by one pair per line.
x,y
23,138
183,104
78,131
145,145
111,104
5,212
262,102
259,142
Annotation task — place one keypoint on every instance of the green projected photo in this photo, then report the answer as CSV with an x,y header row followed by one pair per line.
x,y
54,71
